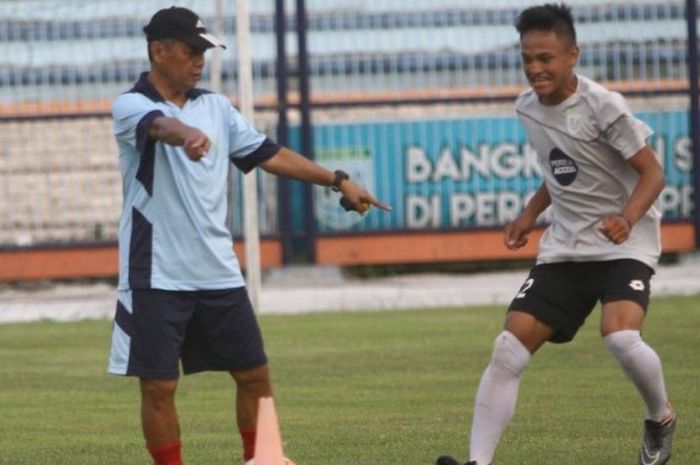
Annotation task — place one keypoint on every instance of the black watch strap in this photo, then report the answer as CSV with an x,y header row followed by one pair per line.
x,y
340,176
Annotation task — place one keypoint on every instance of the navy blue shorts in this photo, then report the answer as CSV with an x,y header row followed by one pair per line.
x,y
213,330
562,295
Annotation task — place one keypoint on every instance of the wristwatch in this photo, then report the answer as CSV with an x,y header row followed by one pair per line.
x,y
340,176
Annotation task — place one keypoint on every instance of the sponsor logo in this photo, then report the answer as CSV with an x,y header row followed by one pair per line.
x,y
563,167
637,284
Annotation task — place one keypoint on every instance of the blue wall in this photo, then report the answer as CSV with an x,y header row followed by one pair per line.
x,y
460,173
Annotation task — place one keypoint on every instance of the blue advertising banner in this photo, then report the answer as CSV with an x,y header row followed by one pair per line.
x,y
463,173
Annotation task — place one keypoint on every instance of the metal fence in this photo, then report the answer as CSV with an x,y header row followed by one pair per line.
x,y
61,65
413,97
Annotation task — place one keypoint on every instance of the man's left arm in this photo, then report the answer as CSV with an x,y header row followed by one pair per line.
x,y
287,162
651,182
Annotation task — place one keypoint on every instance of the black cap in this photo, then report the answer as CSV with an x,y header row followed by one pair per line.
x,y
181,24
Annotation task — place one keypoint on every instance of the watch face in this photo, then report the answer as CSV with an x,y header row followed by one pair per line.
x,y
340,176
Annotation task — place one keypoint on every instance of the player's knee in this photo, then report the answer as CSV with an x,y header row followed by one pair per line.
x,y
158,391
254,379
622,344
509,353
621,316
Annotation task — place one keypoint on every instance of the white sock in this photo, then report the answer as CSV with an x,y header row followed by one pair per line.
x,y
497,396
643,366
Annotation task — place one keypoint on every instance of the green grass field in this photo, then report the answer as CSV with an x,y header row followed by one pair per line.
x,y
391,388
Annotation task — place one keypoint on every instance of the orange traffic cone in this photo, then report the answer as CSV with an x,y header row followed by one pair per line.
x,y
268,441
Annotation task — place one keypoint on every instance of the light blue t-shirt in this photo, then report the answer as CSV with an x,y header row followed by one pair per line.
x,y
173,233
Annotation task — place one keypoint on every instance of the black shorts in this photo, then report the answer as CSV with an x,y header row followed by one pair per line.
x,y
562,295
214,330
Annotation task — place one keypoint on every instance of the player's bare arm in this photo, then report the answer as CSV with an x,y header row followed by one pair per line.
x,y
518,230
173,132
617,228
287,162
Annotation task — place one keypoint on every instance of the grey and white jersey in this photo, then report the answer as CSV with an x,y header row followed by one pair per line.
x,y
583,146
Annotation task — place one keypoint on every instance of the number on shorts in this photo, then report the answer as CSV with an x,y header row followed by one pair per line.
x,y
526,286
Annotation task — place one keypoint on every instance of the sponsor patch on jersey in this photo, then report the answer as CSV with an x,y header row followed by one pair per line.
x,y
563,167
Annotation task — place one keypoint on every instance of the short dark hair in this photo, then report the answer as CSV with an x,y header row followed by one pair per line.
x,y
547,17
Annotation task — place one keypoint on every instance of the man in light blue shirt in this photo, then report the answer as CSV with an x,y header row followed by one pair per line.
x,y
181,294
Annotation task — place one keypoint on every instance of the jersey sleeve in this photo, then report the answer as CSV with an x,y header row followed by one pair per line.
x,y
621,129
133,116
247,146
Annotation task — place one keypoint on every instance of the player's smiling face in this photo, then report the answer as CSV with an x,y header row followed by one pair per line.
x,y
548,62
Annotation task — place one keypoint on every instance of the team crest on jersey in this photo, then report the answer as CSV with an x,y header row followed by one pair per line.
x,y
574,119
563,167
